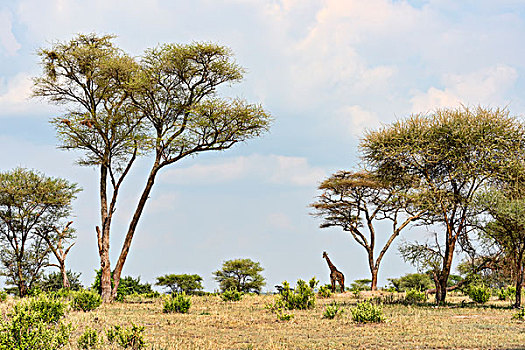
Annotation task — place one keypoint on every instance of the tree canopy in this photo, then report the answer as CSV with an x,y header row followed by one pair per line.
x,y
188,284
244,275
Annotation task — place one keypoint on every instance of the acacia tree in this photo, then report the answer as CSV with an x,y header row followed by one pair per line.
x,y
31,205
188,284
166,105
355,201
244,275
452,154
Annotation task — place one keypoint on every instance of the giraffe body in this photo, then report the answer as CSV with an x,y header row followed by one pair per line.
x,y
335,275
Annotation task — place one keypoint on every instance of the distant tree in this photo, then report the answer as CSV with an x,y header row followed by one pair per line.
x,y
31,206
356,201
164,104
188,284
244,275
451,155
54,281
55,241
418,281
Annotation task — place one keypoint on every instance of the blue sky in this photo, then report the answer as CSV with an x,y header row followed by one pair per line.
x,y
326,71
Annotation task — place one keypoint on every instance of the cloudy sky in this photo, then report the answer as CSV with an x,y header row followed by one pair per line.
x,y
326,71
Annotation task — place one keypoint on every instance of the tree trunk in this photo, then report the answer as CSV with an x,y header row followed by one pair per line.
x,y
519,283
65,280
132,227
373,286
103,239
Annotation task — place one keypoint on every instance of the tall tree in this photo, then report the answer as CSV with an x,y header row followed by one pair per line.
x,y
31,206
165,106
452,154
356,201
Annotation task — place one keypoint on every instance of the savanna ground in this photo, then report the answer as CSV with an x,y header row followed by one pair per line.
x,y
214,324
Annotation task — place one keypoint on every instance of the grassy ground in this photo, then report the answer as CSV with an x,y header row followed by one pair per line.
x,y
215,324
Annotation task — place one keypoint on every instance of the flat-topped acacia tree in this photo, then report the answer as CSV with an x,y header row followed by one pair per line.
x,y
163,105
357,201
451,155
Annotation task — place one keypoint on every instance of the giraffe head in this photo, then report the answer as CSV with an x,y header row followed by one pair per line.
x,y
325,255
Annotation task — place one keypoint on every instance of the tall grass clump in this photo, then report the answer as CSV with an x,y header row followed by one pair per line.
x,y
35,324
86,300
366,312
132,337
180,303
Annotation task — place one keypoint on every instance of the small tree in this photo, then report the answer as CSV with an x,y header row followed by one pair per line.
x,y
244,275
55,281
417,281
356,201
188,284
31,206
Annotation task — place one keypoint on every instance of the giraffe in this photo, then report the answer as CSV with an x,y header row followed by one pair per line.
x,y
335,275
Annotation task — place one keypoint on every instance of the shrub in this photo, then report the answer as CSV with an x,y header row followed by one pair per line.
x,y
283,316
89,339
414,296
366,312
231,295
303,297
86,300
480,294
520,315
34,324
177,303
3,295
332,310
132,337
325,291
53,281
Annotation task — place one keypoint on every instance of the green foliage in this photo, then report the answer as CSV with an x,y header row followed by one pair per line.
x,y
244,275
177,303
325,291
231,295
283,315
34,324
89,339
132,337
417,281
363,284
332,310
3,295
53,281
302,297
520,315
128,285
86,300
188,284
479,294
366,312
414,296
31,206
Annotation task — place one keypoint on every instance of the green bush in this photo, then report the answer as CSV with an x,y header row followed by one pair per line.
x,y
127,285
303,297
282,315
86,300
332,310
325,291
34,324
480,294
417,281
177,303
520,315
414,296
89,339
366,312
3,295
231,295
132,337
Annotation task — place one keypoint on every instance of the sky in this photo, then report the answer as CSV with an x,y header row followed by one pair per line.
x,y
326,70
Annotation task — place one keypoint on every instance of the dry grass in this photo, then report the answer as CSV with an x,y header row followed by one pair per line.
x,y
215,324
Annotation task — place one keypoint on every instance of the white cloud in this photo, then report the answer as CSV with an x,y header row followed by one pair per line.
x,y
7,39
15,96
486,87
356,119
272,169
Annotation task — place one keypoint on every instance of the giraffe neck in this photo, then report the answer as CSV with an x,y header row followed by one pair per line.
x,y
330,265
